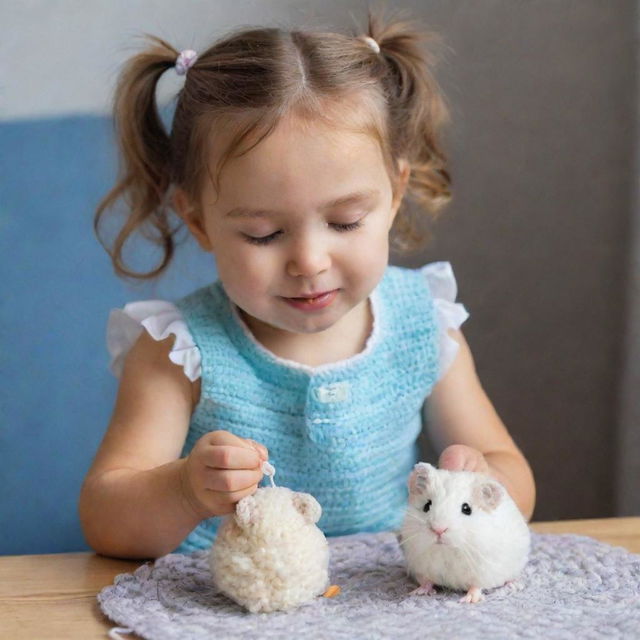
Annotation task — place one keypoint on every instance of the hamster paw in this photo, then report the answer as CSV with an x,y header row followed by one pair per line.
x,y
426,588
473,595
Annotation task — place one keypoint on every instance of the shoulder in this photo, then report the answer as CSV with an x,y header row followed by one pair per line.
x,y
401,284
435,280
151,358
438,283
160,320
437,276
154,332
153,350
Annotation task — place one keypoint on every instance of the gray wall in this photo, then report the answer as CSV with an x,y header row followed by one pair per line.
x,y
627,495
540,235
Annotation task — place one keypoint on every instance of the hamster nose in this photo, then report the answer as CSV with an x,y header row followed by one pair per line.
x,y
438,532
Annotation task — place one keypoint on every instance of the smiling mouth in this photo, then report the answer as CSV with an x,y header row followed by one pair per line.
x,y
316,303
313,296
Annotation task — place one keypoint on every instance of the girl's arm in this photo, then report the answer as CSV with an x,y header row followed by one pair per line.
x,y
137,500
465,428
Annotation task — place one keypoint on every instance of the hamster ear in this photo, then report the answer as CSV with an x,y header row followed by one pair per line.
x,y
308,506
488,495
421,477
246,514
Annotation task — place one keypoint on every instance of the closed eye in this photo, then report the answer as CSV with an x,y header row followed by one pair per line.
x,y
271,237
347,227
263,239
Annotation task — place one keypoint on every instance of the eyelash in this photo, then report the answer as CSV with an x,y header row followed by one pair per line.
x,y
270,238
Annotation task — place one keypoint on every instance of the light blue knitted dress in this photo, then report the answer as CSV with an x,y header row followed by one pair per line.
x,y
345,432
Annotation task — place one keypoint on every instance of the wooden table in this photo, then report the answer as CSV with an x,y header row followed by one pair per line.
x,y
54,596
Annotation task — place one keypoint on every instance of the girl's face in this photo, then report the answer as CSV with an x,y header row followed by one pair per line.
x,y
305,212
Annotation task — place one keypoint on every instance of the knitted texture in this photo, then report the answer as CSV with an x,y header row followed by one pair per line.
x,y
572,587
344,432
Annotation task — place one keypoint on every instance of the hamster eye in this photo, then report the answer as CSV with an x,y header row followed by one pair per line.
x,y
466,509
427,506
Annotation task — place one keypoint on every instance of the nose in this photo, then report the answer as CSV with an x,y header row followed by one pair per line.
x,y
309,255
440,531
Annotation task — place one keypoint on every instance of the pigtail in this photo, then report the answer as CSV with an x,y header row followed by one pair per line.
x,y
145,152
417,112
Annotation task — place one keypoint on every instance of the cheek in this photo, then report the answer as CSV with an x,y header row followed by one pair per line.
x,y
370,256
245,270
247,258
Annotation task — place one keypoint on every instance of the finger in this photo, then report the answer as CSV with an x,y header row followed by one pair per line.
x,y
227,438
226,502
231,457
452,458
475,463
231,481
222,437
482,465
473,459
260,448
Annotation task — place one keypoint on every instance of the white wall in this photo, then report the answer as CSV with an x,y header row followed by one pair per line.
x,y
62,56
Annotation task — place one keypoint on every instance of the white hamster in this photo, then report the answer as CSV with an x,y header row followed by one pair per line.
x,y
463,531
270,555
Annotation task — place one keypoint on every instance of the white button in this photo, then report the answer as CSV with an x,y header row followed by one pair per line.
x,y
335,392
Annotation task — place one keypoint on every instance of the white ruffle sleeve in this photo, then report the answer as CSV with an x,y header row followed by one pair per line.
x,y
161,319
450,314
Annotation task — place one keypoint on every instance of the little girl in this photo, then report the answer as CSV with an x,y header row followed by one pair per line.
x,y
288,159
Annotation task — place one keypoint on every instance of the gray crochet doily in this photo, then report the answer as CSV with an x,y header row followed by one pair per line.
x,y
572,587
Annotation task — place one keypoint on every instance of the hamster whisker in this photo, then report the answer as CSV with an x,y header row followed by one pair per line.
x,y
415,535
414,516
468,556
473,558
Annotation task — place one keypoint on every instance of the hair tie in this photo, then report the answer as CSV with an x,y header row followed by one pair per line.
x,y
185,60
372,43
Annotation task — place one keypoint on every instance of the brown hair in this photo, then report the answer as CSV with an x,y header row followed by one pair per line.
x,y
252,79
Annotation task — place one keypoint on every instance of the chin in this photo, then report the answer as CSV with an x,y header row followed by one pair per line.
x,y
290,325
309,326
297,322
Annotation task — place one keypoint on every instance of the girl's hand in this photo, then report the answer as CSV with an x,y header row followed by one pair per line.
x,y
220,470
460,457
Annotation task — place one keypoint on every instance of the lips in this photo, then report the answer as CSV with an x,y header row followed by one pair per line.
x,y
310,296
318,301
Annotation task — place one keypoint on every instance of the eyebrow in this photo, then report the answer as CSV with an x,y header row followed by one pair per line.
x,y
356,196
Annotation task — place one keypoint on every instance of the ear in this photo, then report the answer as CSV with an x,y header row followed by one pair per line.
x,y
421,478
246,512
308,506
192,217
488,495
401,185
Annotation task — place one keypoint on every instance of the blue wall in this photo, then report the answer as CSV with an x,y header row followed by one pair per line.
x,y
57,289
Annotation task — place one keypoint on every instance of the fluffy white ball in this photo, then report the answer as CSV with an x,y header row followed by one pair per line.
x,y
270,555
